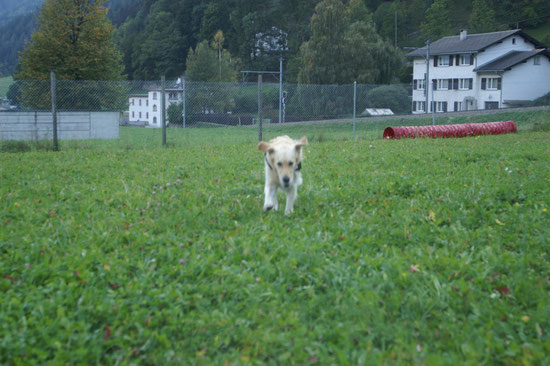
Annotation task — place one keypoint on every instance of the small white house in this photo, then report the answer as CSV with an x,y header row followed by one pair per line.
x,y
146,108
480,71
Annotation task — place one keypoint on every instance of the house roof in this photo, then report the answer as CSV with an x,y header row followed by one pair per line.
x,y
473,43
511,59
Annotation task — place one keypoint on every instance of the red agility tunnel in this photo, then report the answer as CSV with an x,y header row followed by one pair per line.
x,y
462,130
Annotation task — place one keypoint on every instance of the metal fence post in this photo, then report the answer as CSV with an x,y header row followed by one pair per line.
x,y
54,110
354,106
281,89
163,108
260,107
184,100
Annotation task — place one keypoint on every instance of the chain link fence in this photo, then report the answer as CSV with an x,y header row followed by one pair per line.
x,y
205,105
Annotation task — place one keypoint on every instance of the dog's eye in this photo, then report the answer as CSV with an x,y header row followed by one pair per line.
x,y
290,163
280,164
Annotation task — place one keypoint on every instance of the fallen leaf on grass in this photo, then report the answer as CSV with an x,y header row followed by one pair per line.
x,y
503,290
414,268
499,222
108,332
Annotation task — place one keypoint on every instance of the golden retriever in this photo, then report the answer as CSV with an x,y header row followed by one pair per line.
x,y
283,162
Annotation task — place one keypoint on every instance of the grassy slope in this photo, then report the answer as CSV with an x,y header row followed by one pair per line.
x,y
410,252
5,83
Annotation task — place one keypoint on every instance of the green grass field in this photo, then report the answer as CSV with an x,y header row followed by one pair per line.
x,y
426,251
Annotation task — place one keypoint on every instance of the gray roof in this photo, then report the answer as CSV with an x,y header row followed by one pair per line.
x,y
511,59
473,43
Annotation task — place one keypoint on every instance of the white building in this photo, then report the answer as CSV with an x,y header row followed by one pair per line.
x,y
146,108
480,71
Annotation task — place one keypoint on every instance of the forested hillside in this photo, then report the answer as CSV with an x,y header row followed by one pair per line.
x,y
155,36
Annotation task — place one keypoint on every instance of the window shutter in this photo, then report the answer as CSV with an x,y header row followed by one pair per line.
x,y
483,83
451,60
499,85
471,83
444,106
435,61
456,107
472,59
414,106
434,84
414,84
455,84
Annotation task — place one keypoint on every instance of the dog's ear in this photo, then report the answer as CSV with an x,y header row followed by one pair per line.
x,y
263,146
302,142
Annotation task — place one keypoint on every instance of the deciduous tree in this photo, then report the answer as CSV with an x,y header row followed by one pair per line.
x,y
74,38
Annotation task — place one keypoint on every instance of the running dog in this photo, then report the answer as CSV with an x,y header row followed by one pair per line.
x,y
283,162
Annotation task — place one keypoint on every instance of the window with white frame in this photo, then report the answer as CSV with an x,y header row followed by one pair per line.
x,y
465,60
154,107
419,106
155,96
132,101
492,83
147,102
421,84
443,60
442,84
140,102
465,84
458,106
441,107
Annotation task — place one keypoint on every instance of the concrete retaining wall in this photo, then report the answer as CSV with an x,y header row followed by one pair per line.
x,y
70,125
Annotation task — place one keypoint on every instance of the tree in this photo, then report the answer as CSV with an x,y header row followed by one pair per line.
x,y
394,97
344,47
174,111
482,18
210,62
437,23
74,38
160,51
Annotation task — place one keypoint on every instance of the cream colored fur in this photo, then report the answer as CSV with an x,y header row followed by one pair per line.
x,y
283,156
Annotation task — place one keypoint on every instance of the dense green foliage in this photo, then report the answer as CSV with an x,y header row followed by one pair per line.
x,y
74,39
211,62
412,252
155,36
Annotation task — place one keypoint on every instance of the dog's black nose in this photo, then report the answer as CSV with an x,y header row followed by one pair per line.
x,y
286,179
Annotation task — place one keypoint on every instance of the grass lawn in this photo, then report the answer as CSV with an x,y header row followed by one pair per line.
x,y
5,83
426,251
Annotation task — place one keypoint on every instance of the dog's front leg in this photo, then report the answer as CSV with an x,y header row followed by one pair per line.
x,y
270,202
291,196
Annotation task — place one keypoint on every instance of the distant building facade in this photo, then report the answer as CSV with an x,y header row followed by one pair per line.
x,y
480,71
146,108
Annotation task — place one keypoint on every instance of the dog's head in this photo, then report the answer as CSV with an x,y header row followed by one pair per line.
x,y
284,156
